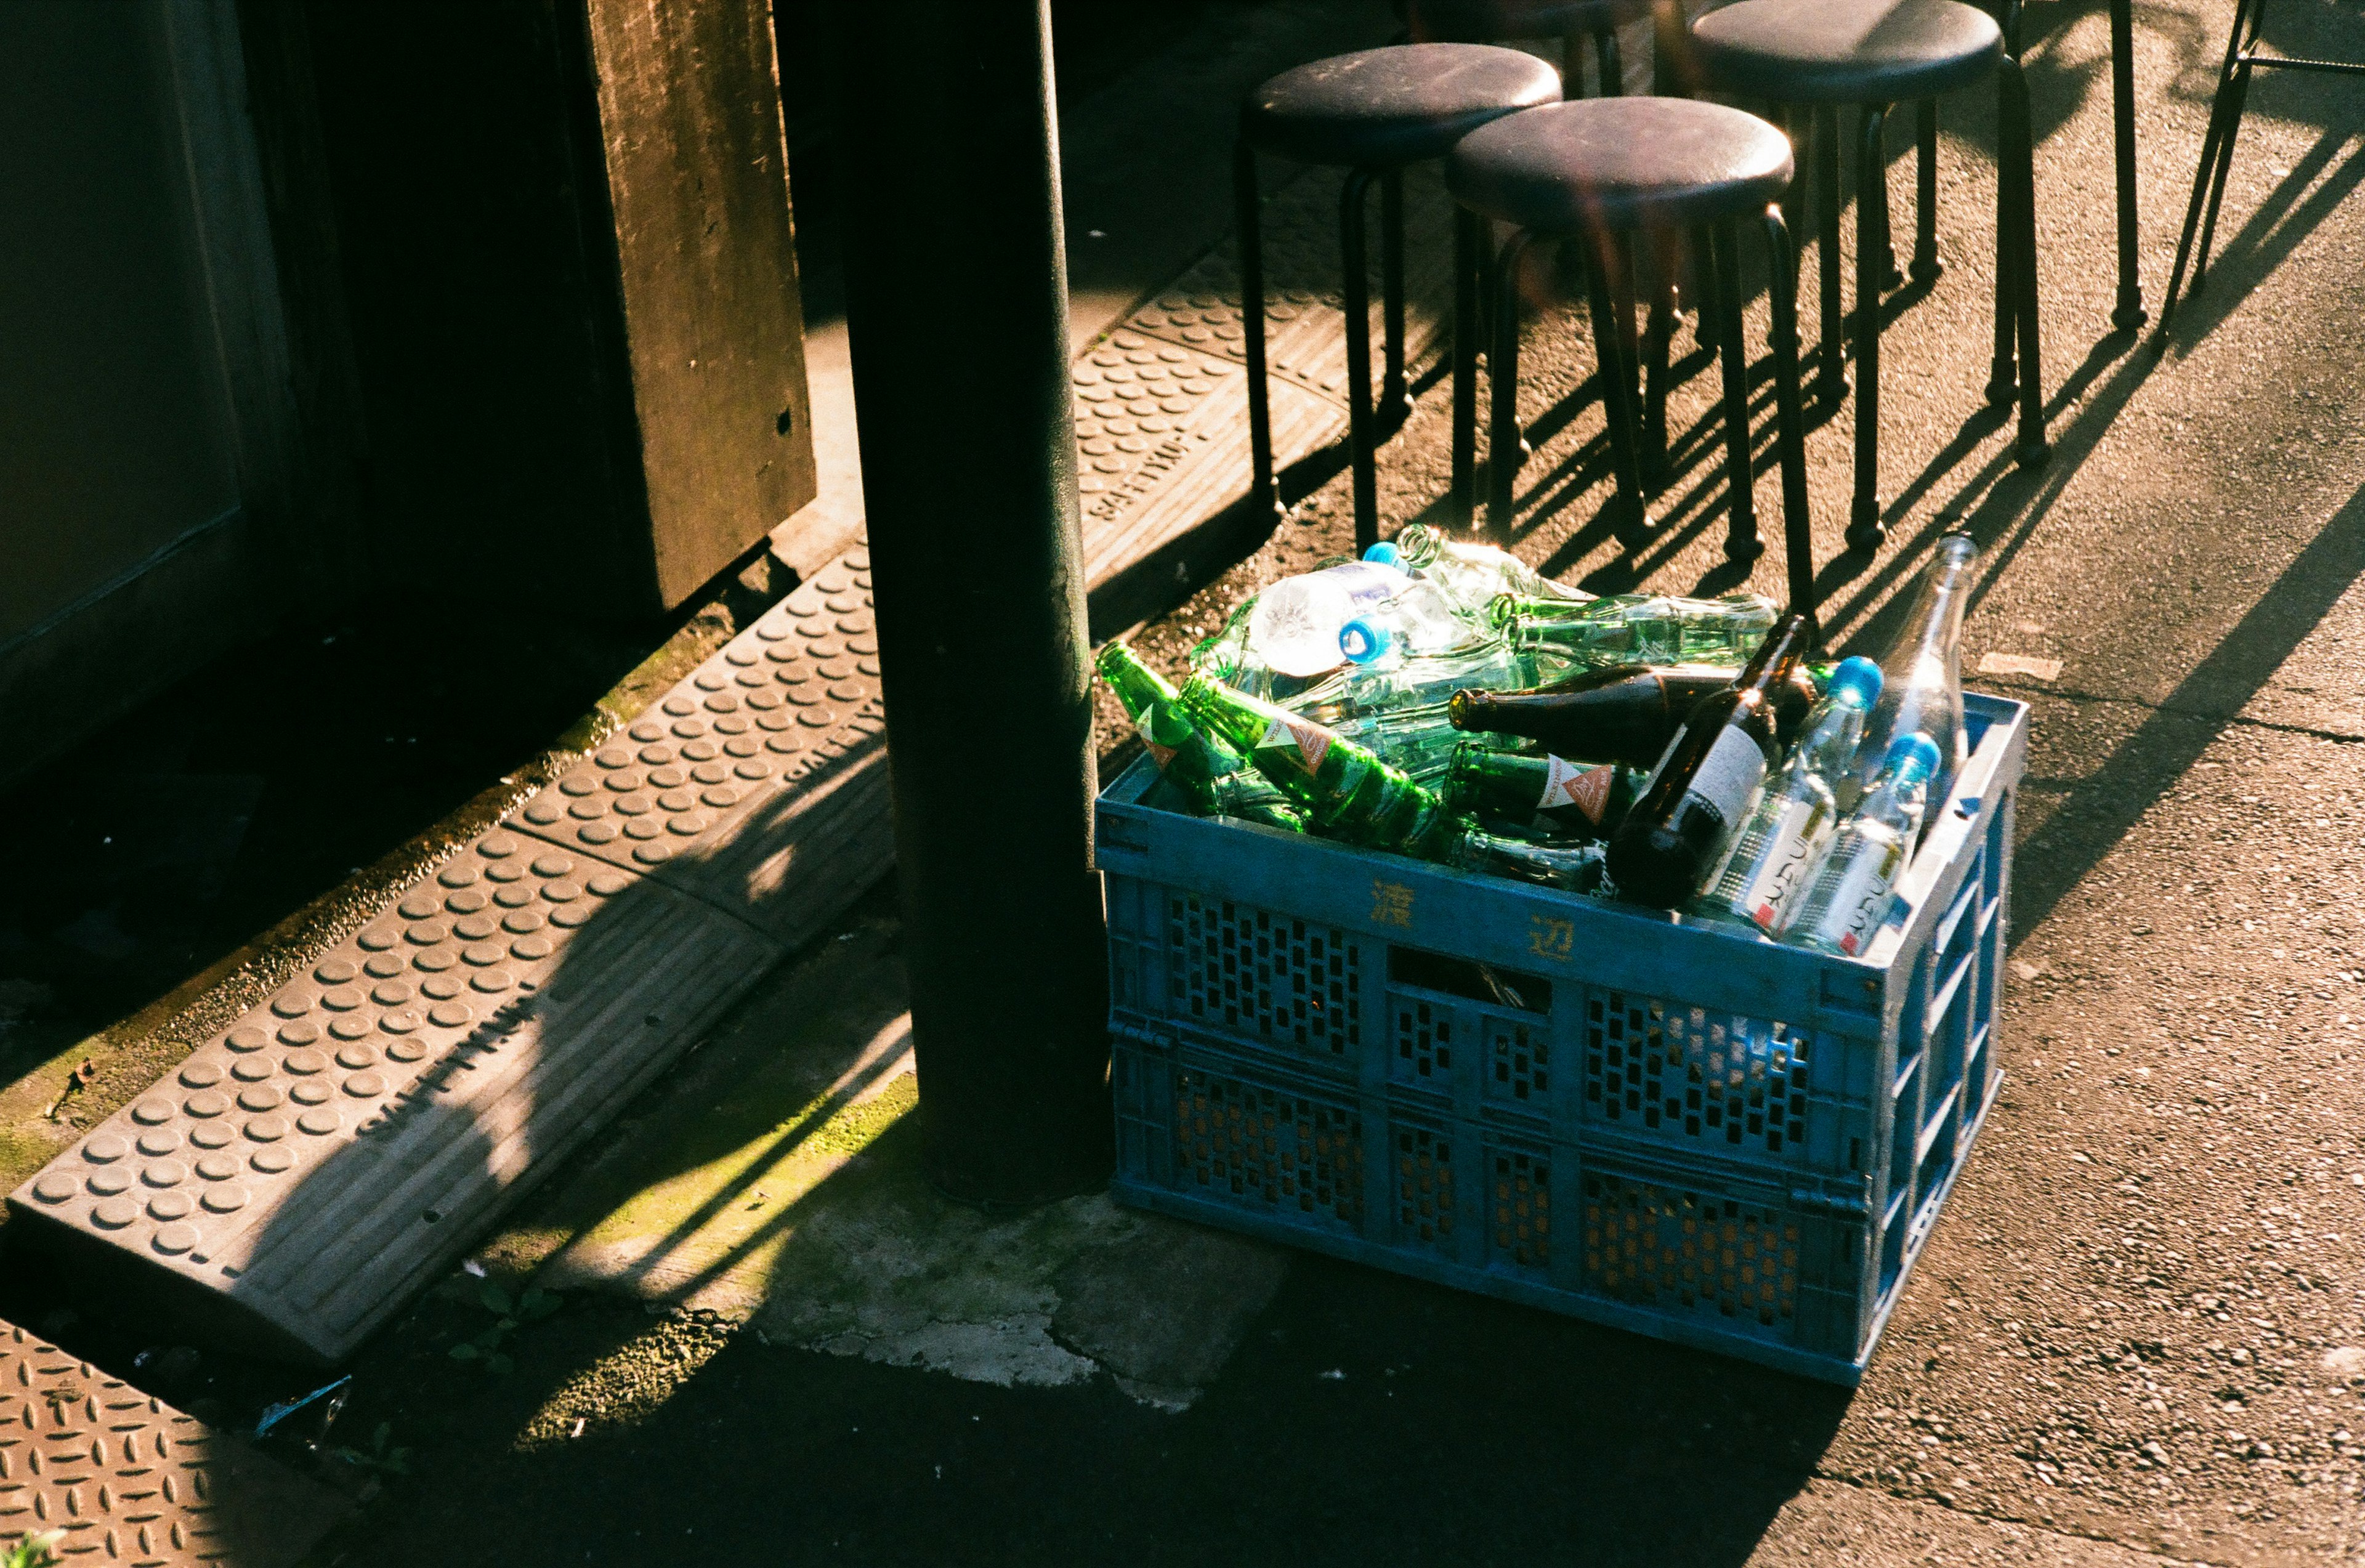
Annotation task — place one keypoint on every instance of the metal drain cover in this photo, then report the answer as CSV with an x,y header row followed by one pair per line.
x,y
130,1479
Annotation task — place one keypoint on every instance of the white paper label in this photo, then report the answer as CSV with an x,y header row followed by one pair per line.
x,y
1782,867
1729,775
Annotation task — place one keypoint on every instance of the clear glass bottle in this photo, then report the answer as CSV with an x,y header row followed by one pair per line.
x,y
1785,836
1632,629
1924,671
1849,901
1477,575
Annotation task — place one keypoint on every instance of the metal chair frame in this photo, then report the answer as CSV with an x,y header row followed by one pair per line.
x,y
2225,110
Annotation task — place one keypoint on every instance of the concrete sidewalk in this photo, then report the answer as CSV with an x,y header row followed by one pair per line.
x,y
2139,1332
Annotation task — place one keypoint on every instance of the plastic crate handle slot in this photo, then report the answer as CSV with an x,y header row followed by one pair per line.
x,y
1855,1207
1127,835
1149,1039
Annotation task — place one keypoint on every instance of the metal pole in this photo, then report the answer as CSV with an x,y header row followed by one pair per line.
x,y
969,479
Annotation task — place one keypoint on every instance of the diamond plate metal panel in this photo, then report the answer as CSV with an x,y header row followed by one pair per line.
x,y
129,1480
418,1072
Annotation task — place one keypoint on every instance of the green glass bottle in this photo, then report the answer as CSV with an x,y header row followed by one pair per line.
x,y
1576,799
1216,777
1351,793
1630,629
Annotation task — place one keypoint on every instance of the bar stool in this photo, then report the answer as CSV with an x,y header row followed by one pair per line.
x,y
1874,53
1572,22
1604,167
1373,113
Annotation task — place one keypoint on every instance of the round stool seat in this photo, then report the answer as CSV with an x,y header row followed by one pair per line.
x,y
1386,107
1846,51
1485,20
1620,163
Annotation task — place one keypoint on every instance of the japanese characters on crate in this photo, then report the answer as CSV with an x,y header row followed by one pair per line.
x,y
1441,700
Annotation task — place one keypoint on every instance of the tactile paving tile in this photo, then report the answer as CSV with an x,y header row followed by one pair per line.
x,y
132,1480
712,785
314,1148
1163,404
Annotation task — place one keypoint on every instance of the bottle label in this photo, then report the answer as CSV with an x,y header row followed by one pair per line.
x,y
1160,755
1781,866
1859,900
1310,742
1728,776
1568,784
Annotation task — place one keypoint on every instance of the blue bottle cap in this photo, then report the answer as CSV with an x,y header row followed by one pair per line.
x,y
1912,759
1387,555
1856,682
1363,641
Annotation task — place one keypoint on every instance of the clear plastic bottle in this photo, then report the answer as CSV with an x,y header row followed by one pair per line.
x,y
1420,620
1849,900
1785,836
1475,575
1295,623
1421,681
1923,670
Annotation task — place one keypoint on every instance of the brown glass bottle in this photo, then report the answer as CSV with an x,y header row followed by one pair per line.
x,y
1674,839
1627,713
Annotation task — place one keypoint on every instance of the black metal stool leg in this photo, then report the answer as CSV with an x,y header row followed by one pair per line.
x,y
1831,371
1394,403
2017,148
1671,73
1617,377
2003,370
1469,247
1742,541
1572,66
1263,502
1926,265
2211,144
1656,253
1503,446
1790,423
2128,315
1354,269
1799,125
1866,531
1609,62
2240,101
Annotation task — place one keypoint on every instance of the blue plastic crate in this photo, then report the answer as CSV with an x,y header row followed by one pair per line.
x,y
1628,1117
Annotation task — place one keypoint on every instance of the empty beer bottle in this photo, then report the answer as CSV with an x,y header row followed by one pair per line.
x,y
1216,777
1637,630
1475,575
1621,713
1676,837
1849,901
1923,670
1574,867
1351,793
1576,799
1784,837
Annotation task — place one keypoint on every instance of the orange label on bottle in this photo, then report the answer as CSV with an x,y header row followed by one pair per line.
x,y
1586,788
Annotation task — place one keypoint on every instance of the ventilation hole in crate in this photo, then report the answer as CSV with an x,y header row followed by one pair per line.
x,y
1254,972
1424,1043
1424,1186
1521,1064
1266,1147
1680,1250
1521,1207
1687,1074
